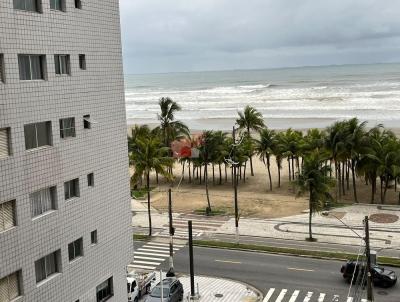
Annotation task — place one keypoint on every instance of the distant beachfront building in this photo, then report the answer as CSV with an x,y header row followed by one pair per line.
x,y
64,186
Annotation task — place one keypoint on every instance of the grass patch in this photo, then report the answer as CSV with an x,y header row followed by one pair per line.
x,y
140,193
141,237
214,211
289,251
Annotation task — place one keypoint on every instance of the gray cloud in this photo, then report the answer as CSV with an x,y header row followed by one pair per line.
x,y
184,35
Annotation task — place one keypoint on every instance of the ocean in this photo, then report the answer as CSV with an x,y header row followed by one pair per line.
x,y
289,97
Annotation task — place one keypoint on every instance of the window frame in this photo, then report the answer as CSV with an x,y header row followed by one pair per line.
x,y
44,263
42,64
55,8
75,246
7,131
64,130
75,185
108,288
17,275
53,201
37,8
87,124
93,237
90,180
2,69
59,64
36,138
3,227
82,61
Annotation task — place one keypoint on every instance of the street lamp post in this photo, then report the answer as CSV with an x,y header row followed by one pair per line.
x,y
234,165
370,296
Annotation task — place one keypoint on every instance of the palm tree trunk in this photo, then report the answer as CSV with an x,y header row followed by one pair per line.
x,y
157,177
183,170
385,189
200,174
347,175
251,166
354,180
292,167
208,210
279,176
190,172
269,173
339,176
343,175
381,179
290,174
373,185
244,172
226,172
148,201
220,174
310,216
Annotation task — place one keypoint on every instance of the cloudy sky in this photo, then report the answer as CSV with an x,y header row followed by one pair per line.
x,y
193,35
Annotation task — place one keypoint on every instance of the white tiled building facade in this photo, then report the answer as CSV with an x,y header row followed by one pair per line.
x,y
64,185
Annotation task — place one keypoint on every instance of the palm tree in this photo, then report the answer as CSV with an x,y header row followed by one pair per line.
x,y
314,179
170,129
149,155
250,119
265,147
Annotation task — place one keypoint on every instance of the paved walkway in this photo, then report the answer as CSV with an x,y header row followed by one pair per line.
x,y
325,229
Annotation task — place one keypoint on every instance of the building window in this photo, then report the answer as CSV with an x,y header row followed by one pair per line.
x,y
10,287
71,189
78,4
75,249
90,180
104,291
57,5
5,143
31,67
37,135
61,63
47,266
29,5
2,71
93,237
86,122
43,201
67,127
7,215
82,62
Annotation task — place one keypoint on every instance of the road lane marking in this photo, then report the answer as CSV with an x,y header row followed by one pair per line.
x,y
321,297
294,296
300,269
228,261
269,294
281,295
142,266
308,297
140,262
349,299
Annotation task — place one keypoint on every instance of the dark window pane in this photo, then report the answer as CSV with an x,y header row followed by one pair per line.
x,y
36,66
30,136
71,251
57,64
24,67
40,270
43,134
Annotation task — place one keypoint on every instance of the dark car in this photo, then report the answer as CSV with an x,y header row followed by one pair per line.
x,y
380,276
172,291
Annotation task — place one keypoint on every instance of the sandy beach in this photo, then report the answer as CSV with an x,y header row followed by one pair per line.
x,y
255,200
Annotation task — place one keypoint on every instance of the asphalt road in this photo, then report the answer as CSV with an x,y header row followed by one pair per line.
x,y
266,271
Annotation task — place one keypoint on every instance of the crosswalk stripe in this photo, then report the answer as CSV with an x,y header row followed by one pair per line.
x,y
199,222
349,299
166,253
363,300
165,244
151,254
142,266
269,294
161,248
321,297
294,296
147,258
281,295
308,297
146,262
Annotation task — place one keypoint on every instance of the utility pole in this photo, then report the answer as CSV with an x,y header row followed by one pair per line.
x,y
370,296
171,272
192,291
235,186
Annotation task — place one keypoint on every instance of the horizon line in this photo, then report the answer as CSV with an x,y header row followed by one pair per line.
x,y
267,68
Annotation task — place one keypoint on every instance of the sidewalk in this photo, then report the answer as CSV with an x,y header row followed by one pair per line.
x,y
325,229
220,290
